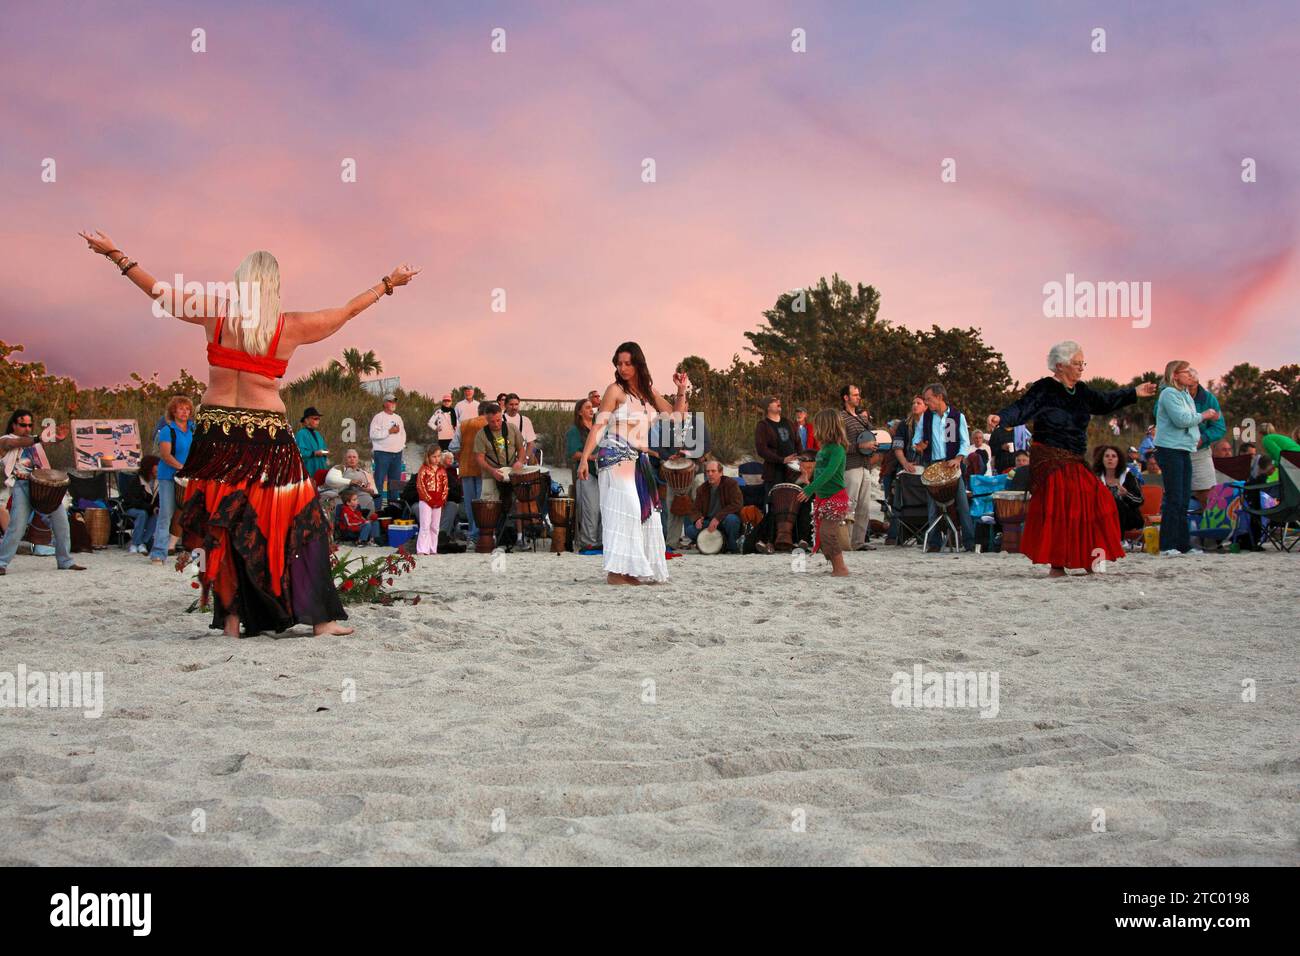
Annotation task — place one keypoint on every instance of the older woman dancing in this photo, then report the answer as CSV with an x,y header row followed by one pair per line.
x,y
250,504
1071,516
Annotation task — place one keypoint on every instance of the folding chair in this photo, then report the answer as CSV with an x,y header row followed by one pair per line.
x,y
911,508
980,490
1286,512
127,483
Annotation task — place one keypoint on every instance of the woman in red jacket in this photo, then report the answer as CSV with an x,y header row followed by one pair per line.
x,y
431,485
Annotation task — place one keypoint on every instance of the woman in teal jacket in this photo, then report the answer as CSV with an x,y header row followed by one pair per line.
x,y
1178,432
311,443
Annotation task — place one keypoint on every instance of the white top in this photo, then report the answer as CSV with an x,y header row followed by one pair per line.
x,y
440,422
466,409
380,439
525,426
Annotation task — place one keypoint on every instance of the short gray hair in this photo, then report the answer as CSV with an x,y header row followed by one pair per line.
x,y
1061,354
937,390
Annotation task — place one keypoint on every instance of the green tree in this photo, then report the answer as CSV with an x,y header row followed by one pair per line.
x,y
355,364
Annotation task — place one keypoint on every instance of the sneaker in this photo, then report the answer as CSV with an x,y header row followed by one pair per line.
x,y
1171,553
1193,551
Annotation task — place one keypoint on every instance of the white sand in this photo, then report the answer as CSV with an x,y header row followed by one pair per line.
x,y
522,690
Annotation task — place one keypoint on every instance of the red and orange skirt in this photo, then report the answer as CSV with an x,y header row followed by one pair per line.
x,y
1072,521
252,508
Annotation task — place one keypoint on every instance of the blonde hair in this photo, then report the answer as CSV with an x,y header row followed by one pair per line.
x,y
259,276
829,428
1173,368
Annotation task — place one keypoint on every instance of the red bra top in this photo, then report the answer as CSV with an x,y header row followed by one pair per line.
x,y
223,356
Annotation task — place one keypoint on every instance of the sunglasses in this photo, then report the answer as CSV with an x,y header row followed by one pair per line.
x,y
22,424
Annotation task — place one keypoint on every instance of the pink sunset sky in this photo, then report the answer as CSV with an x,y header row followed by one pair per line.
x,y
522,171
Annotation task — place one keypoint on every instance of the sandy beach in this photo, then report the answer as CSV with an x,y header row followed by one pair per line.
x,y
741,714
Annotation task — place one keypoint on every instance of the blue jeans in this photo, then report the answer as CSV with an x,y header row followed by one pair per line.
x,y
142,529
166,508
21,516
388,475
471,487
963,517
163,530
1176,468
729,526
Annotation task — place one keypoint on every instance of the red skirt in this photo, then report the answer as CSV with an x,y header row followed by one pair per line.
x,y
832,509
1072,521
252,509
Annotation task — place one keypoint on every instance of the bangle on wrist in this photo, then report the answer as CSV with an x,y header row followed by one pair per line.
x,y
388,285
128,266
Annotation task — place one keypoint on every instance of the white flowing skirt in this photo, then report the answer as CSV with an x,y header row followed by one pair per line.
x,y
632,546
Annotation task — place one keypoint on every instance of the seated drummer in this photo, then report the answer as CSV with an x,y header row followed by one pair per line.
x,y
22,454
673,441
498,447
716,506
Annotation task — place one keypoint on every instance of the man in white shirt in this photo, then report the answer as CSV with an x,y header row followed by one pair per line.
x,y
467,407
523,423
387,441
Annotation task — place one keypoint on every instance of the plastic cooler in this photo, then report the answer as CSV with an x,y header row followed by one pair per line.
x,y
399,534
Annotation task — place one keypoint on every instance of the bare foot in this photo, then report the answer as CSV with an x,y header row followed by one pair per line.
x,y
232,625
613,578
1056,573
332,628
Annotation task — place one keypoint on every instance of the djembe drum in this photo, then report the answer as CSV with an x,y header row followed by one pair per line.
x,y
46,488
807,462
487,512
1010,508
561,513
941,480
783,505
526,485
679,473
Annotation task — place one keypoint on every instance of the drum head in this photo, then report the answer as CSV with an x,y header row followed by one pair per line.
x,y
710,542
50,476
940,473
675,464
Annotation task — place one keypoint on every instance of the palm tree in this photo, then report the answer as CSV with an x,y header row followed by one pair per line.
x,y
355,365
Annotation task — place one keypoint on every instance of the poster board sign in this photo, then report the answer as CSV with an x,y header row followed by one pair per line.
x,y
106,444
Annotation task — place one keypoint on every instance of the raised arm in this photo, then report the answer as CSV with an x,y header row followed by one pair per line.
x,y
679,405
193,308
309,327
1021,411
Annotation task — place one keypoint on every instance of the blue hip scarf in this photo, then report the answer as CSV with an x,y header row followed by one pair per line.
x,y
613,450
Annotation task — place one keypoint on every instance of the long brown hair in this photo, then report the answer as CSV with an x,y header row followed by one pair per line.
x,y
1099,462
829,427
644,388
577,417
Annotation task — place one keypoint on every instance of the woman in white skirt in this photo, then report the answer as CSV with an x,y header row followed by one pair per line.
x,y
631,528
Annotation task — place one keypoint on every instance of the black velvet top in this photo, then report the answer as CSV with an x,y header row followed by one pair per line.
x,y
1061,419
